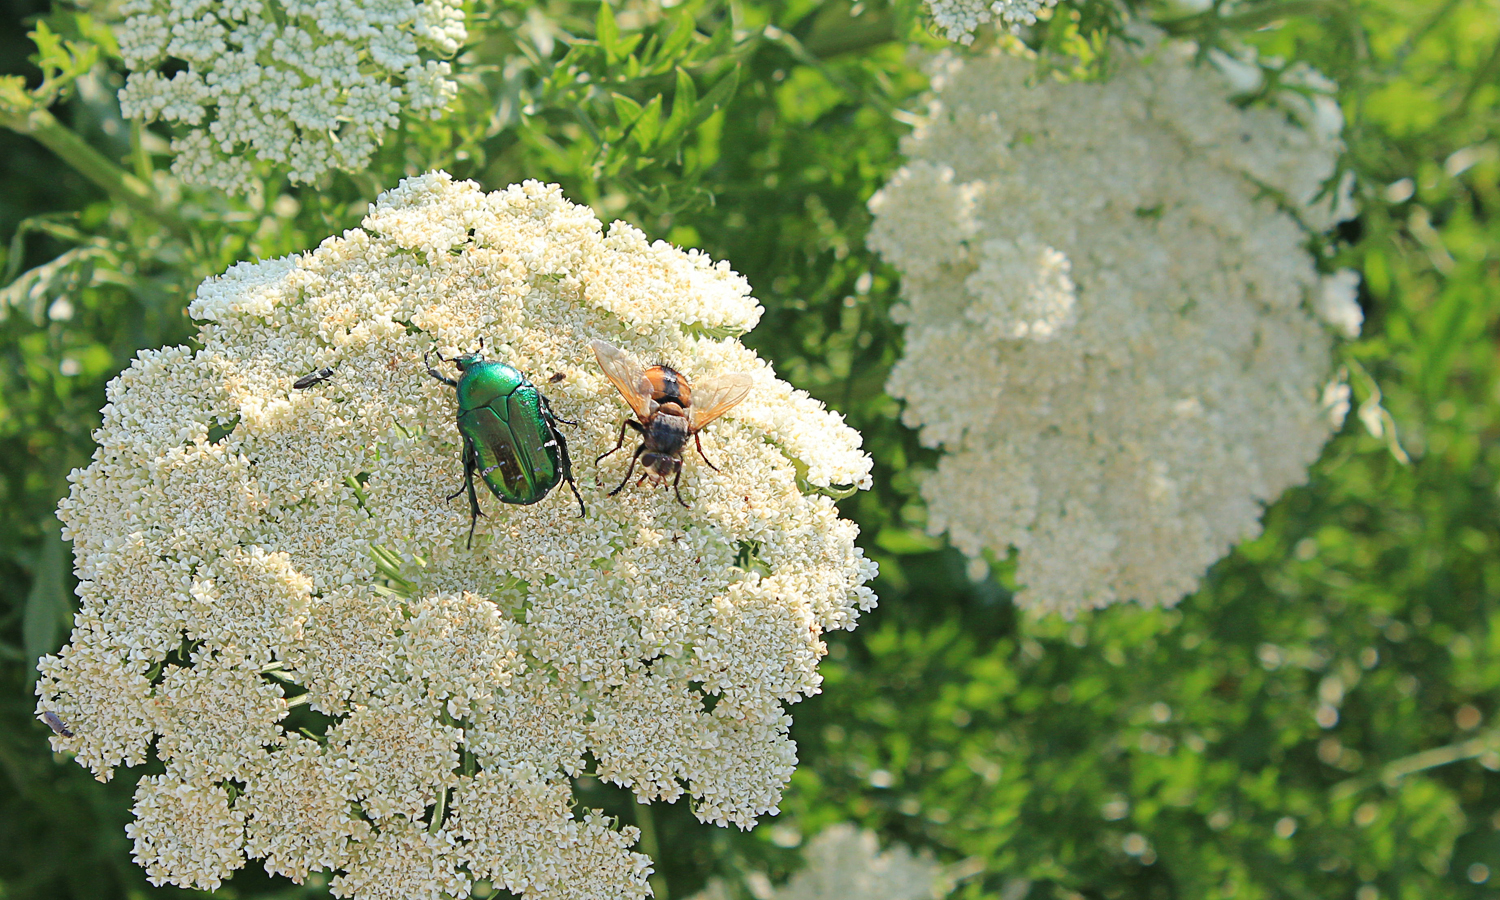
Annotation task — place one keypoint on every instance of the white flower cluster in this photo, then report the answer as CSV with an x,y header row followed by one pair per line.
x,y
959,18
1112,318
844,862
308,85
276,591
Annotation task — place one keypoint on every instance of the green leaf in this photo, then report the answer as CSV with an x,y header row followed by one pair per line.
x,y
682,32
15,100
648,125
47,608
607,32
626,109
717,97
683,101
49,48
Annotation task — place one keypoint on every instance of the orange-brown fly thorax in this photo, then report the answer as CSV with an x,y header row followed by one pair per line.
x,y
668,386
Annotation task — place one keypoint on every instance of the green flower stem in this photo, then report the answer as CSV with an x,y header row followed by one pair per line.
x,y
851,36
1420,762
1250,19
121,185
646,822
439,812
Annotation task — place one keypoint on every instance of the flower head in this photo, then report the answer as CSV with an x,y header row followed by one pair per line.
x,y
1112,318
959,18
277,591
843,861
307,85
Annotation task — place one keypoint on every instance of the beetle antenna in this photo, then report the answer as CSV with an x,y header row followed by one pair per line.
x,y
435,373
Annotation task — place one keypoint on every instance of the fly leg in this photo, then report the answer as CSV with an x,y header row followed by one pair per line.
x,y
676,481
699,441
638,451
621,441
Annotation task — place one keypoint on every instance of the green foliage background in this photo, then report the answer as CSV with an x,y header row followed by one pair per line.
x,y
1029,749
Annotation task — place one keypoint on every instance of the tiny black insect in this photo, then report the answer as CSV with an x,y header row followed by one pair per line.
x,y
312,378
55,722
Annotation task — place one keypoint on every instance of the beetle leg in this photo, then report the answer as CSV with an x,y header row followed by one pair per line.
x,y
436,374
677,481
699,441
638,451
547,405
468,470
618,444
471,462
567,467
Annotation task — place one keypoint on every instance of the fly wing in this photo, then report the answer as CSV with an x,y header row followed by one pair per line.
x,y
625,374
713,397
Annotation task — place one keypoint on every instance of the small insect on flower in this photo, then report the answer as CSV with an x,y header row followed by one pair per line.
x,y
55,722
312,378
663,401
556,377
510,434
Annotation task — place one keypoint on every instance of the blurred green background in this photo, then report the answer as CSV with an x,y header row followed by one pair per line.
x,y
1319,721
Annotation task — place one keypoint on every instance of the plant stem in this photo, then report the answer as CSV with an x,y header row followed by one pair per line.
x,y
93,165
646,822
1420,762
439,811
1251,18
852,36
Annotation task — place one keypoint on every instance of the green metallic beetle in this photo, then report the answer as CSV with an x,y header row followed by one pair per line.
x,y
510,434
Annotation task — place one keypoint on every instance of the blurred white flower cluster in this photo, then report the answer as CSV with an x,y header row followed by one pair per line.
x,y
276,591
959,18
843,862
1112,314
308,85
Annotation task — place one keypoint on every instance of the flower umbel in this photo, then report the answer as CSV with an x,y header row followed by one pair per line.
x,y
844,862
959,18
1112,319
275,589
308,86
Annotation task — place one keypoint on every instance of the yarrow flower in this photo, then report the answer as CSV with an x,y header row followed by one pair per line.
x,y
307,85
276,591
959,18
1112,318
843,862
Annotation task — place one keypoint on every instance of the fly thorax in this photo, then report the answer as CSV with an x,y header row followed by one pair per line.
x,y
668,430
668,386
